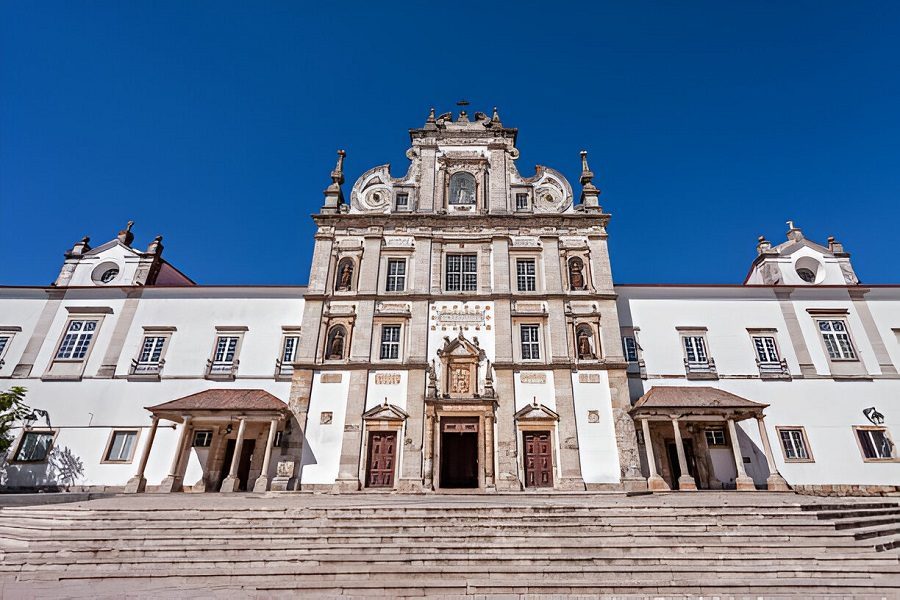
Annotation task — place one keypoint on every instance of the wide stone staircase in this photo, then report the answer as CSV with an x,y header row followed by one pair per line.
x,y
526,545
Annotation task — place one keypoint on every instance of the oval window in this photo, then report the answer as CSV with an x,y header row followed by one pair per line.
x,y
806,275
109,275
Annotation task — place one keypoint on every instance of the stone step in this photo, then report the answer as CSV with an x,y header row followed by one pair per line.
x,y
849,514
876,531
860,522
888,543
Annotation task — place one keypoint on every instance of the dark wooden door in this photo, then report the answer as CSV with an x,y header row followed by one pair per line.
x,y
675,467
243,465
538,459
382,450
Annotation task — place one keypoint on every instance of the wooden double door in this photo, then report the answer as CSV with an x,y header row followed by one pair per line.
x,y
382,456
538,459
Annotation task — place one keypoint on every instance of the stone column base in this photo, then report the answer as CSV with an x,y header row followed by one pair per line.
x,y
745,484
635,484
571,484
282,484
657,484
776,483
170,484
230,484
343,486
687,483
508,484
261,485
135,485
410,486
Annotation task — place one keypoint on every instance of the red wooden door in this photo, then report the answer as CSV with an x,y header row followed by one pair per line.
x,y
382,449
538,459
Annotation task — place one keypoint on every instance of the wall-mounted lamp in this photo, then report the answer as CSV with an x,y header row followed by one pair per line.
x,y
874,417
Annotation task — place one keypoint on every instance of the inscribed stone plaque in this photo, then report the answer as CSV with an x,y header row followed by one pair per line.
x,y
387,378
332,377
589,378
533,377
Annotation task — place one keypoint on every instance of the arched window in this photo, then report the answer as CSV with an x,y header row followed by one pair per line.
x,y
577,280
462,188
337,342
344,277
584,342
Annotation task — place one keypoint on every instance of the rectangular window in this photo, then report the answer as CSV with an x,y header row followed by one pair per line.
x,y
151,350
289,349
793,443
390,342
35,446
77,340
4,343
202,438
521,202
462,272
121,446
766,350
837,339
525,275
695,349
226,346
715,437
396,275
875,443
402,202
629,346
531,347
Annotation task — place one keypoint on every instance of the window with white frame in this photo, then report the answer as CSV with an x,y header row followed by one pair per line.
x,y
695,349
766,349
401,202
151,349
793,443
837,339
396,275
121,446
34,446
526,280
77,340
462,272
226,348
289,349
715,437
530,339
875,443
390,342
5,341
202,438
629,347
521,202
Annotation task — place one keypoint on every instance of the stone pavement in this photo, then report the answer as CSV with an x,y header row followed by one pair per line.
x,y
714,544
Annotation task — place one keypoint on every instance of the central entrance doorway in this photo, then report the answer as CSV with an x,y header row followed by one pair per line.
x,y
459,452
675,468
243,471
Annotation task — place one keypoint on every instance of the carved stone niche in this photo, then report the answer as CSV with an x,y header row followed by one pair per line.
x,y
460,361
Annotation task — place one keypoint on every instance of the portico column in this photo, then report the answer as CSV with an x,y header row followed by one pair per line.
x,y
172,482
232,483
138,483
685,482
654,482
775,482
742,481
262,482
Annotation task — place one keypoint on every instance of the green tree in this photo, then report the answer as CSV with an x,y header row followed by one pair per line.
x,y
12,409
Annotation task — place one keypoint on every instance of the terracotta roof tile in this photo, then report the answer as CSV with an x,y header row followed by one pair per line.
x,y
223,399
670,396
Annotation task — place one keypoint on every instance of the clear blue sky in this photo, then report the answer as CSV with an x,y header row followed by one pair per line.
x,y
215,124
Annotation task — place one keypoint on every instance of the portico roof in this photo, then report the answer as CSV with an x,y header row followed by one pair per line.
x,y
219,400
693,400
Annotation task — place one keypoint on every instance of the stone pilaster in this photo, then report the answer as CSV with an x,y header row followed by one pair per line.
x,y
507,476
351,444
569,459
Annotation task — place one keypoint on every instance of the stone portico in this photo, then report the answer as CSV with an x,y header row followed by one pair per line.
x,y
232,433
688,433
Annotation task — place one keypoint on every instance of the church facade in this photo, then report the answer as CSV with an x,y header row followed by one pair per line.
x,y
460,331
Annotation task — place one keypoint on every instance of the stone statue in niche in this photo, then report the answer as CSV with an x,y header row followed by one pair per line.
x,y
459,381
345,275
585,352
462,188
336,344
576,274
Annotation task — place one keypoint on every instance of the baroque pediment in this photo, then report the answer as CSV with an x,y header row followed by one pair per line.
x,y
535,412
385,412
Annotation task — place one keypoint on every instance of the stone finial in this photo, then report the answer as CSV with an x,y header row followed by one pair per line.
x,y
763,245
794,232
495,118
489,391
80,247
590,195
430,118
334,196
835,246
155,246
125,236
